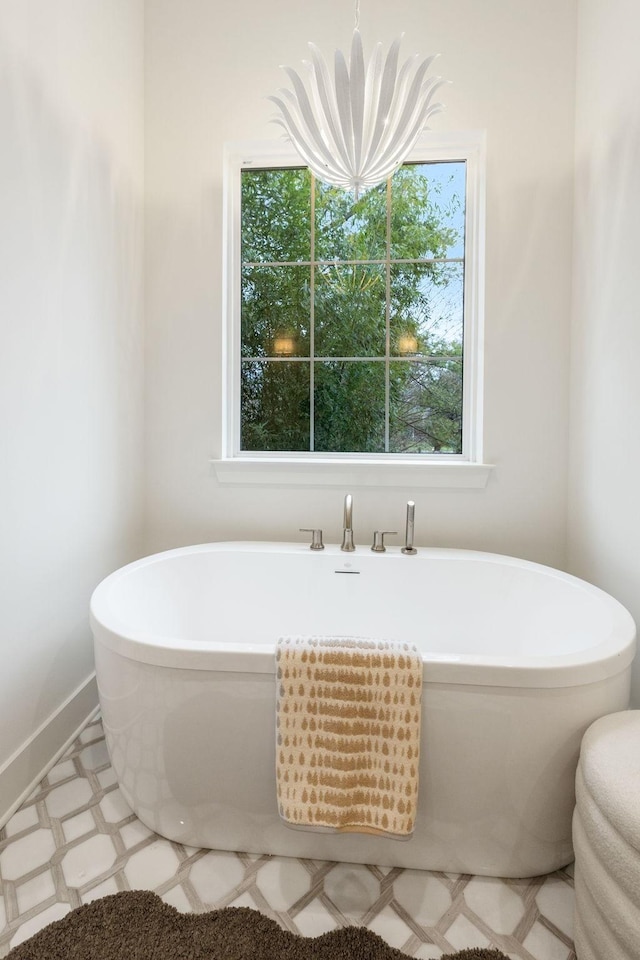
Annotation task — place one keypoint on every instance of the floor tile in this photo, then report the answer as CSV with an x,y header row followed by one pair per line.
x,y
22,820
463,933
88,860
494,902
107,778
176,897
78,826
78,818
68,797
244,900
388,925
114,807
134,833
282,882
94,756
152,866
422,895
543,945
352,888
93,732
26,853
27,929
428,951
216,876
35,891
315,919
62,771
555,902
103,889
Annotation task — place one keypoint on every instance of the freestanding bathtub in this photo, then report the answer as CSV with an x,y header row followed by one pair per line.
x,y
518,660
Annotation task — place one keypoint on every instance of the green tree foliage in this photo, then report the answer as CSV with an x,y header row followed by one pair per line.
x,y
376,277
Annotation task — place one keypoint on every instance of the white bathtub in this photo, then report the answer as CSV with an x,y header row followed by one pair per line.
x,y
518,660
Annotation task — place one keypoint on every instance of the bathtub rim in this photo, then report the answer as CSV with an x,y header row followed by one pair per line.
x,y
608,658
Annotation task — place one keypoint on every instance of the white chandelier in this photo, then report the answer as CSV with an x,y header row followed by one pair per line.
x,y
355,132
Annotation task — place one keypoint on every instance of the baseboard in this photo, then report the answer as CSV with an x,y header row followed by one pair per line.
x,y
24,770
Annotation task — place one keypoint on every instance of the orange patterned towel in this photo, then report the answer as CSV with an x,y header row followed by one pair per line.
x,y
348,734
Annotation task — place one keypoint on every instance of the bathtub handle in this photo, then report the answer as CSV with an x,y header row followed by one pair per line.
x,y
316,538
378,539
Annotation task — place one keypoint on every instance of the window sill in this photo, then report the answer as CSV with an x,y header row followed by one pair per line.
x,y
364,473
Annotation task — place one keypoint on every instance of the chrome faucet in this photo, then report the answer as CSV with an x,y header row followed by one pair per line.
x,y
347,532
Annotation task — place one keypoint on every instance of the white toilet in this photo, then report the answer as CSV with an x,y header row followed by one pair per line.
x,y
606,839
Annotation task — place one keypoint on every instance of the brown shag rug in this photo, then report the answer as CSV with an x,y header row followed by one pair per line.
x,y
138,925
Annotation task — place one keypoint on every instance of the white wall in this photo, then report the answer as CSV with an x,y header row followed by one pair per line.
x,y
71,350
71,374
604,506
209,67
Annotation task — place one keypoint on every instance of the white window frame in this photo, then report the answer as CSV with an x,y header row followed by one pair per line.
x,y
441,470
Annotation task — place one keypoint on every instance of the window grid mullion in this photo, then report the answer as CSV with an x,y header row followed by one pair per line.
x,y
423,358
346,263
387,319
312,317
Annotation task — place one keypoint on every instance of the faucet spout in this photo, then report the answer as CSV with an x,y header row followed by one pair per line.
x,y
347,532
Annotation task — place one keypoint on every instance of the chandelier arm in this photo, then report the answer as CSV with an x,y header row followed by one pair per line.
x,y
389,129
305,112
357,91
406,77
343,90
331,173
398,150
412,101
432,84
322,88
407,103
385,100
304,109
373,83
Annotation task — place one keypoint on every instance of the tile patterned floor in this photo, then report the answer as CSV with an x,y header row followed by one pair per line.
x,y
76,839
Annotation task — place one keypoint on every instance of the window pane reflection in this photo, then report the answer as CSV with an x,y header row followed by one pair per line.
x,y
425,411
350,311
275,406
275,311
349,406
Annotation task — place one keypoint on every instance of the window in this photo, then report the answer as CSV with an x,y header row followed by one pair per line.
x,y
354,323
